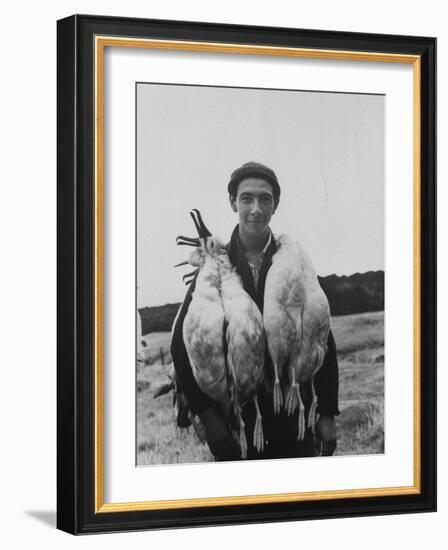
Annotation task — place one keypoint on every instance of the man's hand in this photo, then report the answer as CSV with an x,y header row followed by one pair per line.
x,y
218,436
326,435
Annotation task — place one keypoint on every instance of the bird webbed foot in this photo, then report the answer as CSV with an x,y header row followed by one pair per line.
x,y
243,440
312,415
277,397
301,426
292,399
258,438
187,241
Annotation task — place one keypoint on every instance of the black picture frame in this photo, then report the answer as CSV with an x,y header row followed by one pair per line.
x,y
78,509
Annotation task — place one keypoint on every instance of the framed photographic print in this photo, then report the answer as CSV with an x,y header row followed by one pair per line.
x,y
246,274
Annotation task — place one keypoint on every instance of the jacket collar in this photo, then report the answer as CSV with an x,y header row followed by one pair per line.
x,y
237,256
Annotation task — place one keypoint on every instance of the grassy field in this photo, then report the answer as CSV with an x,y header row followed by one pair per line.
x,y
360,343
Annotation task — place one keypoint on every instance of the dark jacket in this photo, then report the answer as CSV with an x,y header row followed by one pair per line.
x,y
280,427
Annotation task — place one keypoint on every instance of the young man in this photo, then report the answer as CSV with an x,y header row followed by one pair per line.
x,y
254,194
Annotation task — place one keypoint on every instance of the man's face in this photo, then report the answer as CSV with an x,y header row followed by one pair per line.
x,y
254,204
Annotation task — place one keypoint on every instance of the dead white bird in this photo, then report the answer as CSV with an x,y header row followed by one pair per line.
x,y
203,328
284,297
296,318
244,346
316,324
245,349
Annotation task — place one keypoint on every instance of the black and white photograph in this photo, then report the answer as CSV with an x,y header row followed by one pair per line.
x,y
259,273
222,241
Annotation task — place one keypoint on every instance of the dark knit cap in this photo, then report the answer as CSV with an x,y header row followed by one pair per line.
x,y
251,170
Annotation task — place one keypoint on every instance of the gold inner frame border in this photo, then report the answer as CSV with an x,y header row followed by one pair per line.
x,y
100,43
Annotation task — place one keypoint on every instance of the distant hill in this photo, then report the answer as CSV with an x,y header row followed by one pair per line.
x,y
158,318
357,293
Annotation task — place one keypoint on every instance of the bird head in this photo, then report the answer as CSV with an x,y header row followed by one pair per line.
x,y
205,242
205,237
206,246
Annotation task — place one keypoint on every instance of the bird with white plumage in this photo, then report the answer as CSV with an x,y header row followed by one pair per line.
x,y
296,319
245,349
243,329
203,330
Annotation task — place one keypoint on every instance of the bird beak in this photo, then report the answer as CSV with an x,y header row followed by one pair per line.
x,y
182,263
188,241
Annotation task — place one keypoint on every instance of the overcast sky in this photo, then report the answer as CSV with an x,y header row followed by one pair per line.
x,y
327,150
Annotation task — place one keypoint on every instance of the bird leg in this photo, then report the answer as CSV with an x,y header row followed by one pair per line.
x,y
203,245
293,397
258,429
312,415
201,228
191,274
301,430
243,440
278,397
187,241
199,224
